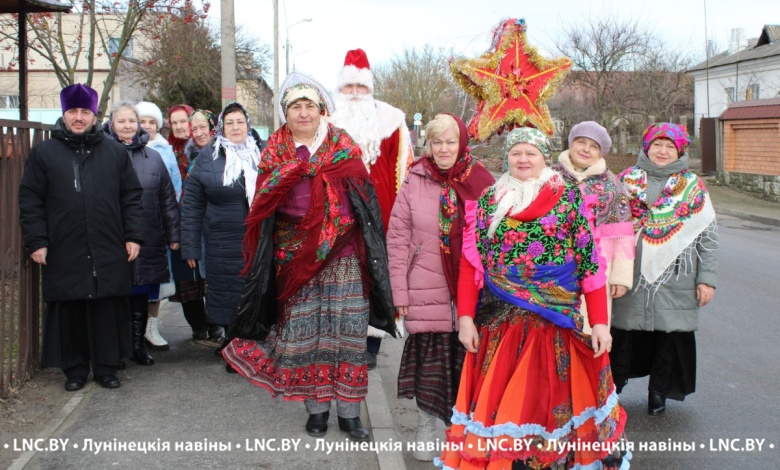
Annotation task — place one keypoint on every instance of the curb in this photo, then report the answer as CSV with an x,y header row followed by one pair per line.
x,y
53,425
775,222
382,426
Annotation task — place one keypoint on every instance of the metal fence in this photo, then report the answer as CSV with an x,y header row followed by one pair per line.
x,y
21,303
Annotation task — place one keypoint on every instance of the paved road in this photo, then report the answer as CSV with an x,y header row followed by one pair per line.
x,y
738,370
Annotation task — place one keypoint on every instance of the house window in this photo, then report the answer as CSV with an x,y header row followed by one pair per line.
x,y
9,101
113,47
752,92
731,94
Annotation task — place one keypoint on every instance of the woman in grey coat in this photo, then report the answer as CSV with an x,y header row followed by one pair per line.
x,y
675,271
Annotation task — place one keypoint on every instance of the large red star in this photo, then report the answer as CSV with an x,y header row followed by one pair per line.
x,y
512,83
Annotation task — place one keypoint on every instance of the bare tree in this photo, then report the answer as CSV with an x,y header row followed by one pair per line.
x,y
419,80
183,62
605,48
98,33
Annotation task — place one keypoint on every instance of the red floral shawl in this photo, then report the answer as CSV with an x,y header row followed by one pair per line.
x,y
336,163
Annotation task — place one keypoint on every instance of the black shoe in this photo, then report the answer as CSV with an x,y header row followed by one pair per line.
x,y
75,383
371,360
107,381
317,424
656,403
354,428
122,365
138,323
229,369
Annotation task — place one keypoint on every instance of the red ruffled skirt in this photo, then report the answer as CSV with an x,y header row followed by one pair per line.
x,y
534,393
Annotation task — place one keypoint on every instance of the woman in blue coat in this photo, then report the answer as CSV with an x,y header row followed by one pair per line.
x,y
217,196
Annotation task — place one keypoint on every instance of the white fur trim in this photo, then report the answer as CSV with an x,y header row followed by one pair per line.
x,y
353,75
389,119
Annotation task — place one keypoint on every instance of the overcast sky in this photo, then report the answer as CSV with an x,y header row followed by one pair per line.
x,y
385,28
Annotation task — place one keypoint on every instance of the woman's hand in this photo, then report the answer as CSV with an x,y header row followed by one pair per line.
x,y
468,335
191,263
704,294
174,246
600,339
402,311
618,291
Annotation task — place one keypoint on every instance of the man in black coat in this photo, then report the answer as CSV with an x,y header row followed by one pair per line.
x,y
82,220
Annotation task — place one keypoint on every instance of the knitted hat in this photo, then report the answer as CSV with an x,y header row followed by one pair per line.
x,y
356,71
148,109
79,96
593,131
666,130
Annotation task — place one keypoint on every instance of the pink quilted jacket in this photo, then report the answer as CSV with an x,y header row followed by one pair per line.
x,y
416,272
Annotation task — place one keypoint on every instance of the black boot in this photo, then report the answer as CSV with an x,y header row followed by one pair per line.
x,y
140,356
656,403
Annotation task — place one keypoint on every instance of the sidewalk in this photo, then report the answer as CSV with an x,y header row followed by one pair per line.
x,y
188,398
732,203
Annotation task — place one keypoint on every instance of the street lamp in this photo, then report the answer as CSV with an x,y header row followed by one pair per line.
x,y
287,45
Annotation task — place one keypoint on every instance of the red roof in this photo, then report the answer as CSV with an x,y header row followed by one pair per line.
x,y
752,109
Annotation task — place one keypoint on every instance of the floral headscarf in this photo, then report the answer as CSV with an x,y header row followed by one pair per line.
x,y
666,130
211,118
301,91
529,135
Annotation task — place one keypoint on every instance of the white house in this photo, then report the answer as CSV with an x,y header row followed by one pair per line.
x,y
749,69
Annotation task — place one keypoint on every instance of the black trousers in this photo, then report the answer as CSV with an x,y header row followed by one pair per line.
x,y
79,335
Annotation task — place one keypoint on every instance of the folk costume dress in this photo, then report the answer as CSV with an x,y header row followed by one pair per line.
x,y
534,377
612,219
327,257
654,324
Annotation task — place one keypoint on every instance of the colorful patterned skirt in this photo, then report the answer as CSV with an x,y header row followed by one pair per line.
x,y
535,394
430,372
318,349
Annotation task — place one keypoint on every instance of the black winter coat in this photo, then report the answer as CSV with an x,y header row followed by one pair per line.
x,y
81,198
258,309
161,211
219,212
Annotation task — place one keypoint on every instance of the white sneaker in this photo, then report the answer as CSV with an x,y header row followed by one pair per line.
x,y
152,335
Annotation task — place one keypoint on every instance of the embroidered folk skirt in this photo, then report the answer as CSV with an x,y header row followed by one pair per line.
x,y
430,372
535,394
318,349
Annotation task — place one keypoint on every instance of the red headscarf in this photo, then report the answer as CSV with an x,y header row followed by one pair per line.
x,y
464,181
177,143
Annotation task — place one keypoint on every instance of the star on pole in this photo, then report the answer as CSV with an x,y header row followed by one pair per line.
x,y
511,83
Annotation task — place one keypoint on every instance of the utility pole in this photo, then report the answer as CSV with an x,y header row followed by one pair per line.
x,y
228,40
276,65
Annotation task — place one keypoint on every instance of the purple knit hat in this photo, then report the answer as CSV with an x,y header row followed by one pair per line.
x,y
677,133
79,96
593,131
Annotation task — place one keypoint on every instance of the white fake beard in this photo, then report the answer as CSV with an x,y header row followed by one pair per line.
x,y
357,115
514,196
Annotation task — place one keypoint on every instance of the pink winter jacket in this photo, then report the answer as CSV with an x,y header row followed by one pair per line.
x,y
416,273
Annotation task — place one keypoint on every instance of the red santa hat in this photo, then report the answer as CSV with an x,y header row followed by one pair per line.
x,y
356,71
